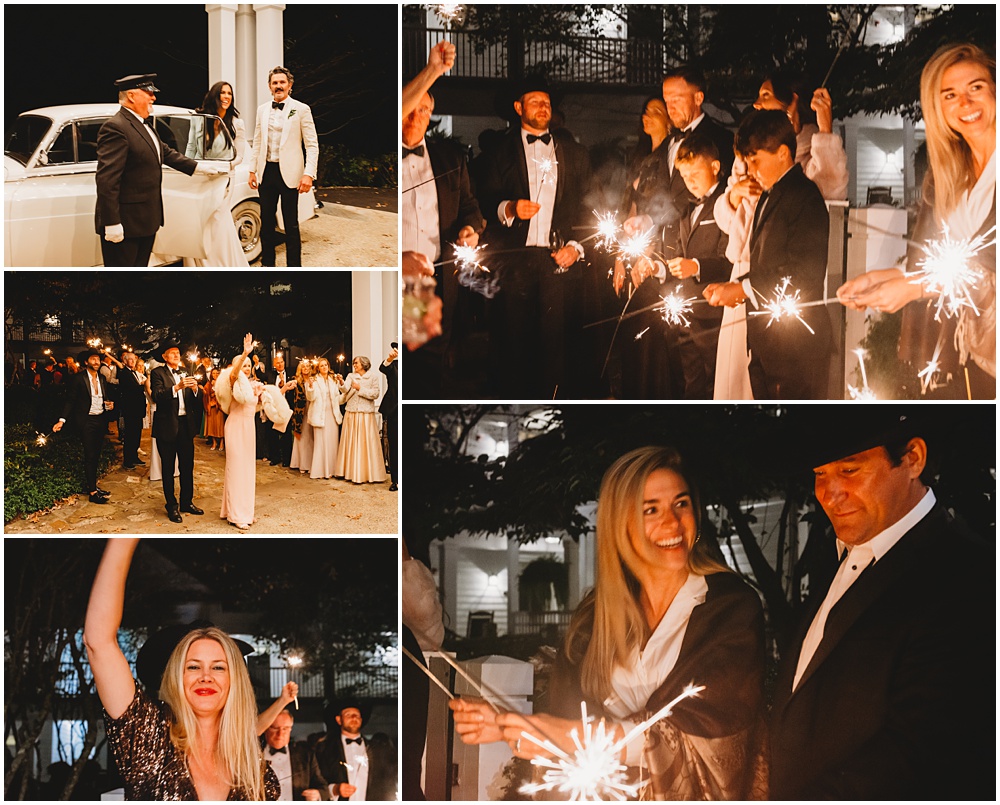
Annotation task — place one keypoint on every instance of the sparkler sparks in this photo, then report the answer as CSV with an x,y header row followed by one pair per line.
x,y
594,770
675,308
607,230
865,392
635,246
466,258
784,305
545,168
42,439
641,334
450,14
947,271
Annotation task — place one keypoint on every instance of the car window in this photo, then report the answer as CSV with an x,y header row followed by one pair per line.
x,y
23,139
197,136
86,139
61,150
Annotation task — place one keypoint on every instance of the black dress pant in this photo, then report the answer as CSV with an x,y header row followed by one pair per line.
x,y
94,430
279,445
181,449
132,433
392,432
272,190
130,253
416,696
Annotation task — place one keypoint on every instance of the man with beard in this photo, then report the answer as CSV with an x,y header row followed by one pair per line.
x,y
533,190
87,404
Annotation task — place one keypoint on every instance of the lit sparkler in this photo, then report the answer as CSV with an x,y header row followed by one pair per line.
x,y
94,342
607,230
594,770
42,439
675,308
865,392
546,166
450,14
784,305
635,246
294,662
948,272
466,258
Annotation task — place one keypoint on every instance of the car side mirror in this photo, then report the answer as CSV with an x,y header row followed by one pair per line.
x,y
43,159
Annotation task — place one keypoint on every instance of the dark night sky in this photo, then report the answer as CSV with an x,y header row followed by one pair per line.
x,y
344,58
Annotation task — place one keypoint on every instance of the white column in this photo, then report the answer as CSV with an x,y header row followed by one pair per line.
x,y
513,579
374,313
250,92
851,149
221,42
269,44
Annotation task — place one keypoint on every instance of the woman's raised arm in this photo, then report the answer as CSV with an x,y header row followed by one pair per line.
x,y
112,674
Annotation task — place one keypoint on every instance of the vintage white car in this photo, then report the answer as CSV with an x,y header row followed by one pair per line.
x,y
50,159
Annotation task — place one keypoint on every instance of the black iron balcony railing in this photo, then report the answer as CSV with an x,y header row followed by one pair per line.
x,y
586,60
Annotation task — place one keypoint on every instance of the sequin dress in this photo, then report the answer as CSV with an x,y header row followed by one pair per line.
x,y
149,764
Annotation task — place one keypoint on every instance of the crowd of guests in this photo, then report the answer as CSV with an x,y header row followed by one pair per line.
x,y
315,421
727,218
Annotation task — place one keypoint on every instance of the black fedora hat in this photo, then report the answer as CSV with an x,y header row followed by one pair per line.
x,y
826,433
155,652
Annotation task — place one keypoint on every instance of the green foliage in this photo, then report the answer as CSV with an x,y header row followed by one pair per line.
x,y
38,476
338,167
537,580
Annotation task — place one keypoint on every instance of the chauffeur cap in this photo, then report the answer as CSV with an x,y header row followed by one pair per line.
x,y
145,82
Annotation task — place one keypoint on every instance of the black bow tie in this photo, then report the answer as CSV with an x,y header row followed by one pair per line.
x,y
353,740
418,151
545,138
678,134
148,121
283,750
276,105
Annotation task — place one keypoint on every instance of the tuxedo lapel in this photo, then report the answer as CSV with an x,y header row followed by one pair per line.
x,y
138,127
522,164
287,127
561,169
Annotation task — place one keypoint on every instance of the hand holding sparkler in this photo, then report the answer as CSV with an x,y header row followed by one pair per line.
x,y
884,290
724,294
682,267
642,269
468,237
542,728
523,209
476,720
822,105
441,58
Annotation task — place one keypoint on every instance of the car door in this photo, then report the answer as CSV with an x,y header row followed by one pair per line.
x,y
189,201
51,209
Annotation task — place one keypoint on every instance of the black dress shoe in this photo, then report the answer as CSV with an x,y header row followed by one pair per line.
x,y
128,466
140,462
98,498
174,515
192,509
393,488
102,492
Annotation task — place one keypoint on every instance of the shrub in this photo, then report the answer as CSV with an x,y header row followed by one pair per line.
x,y
340,168
36,476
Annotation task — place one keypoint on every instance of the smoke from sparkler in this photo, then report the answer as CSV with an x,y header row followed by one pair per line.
x,y
947,271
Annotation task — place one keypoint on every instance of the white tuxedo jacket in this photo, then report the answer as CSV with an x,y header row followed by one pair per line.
x,y
299,130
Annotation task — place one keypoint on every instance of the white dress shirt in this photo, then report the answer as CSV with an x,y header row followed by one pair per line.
x,y
275,126
543,177
858,559
356,758
633,684
281,765
96,395
421,219
675,145
176,374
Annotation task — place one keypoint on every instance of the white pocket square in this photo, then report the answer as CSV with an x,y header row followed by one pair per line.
x,y
708,221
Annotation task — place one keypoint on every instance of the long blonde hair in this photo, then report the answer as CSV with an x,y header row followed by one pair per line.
x,y
619,625
949,155
238,749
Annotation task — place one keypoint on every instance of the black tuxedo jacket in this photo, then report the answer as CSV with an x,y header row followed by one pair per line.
x,y
271,379
668,209
77,408
880,713
305,772
129,176
382,764
131,394
390,400
706,242
505,178
790,239
166,424
457,208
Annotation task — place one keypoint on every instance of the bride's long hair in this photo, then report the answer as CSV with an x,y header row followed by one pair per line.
x,y
210,106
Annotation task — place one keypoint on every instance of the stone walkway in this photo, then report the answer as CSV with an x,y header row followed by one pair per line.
x,y
287,503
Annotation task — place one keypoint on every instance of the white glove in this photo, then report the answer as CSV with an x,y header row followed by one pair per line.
x,y
114,233
211,169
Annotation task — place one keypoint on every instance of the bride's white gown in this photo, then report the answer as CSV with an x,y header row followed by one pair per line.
x,y
221,241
